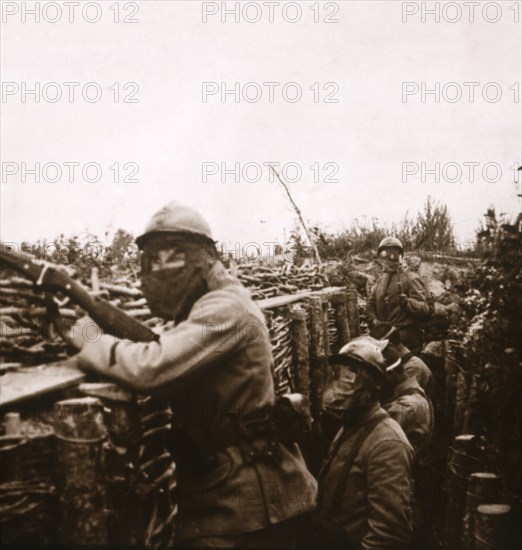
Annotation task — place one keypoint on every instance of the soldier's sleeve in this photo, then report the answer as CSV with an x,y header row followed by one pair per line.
x,y
389,496
413,418
417,301
398,410
439,311
217,325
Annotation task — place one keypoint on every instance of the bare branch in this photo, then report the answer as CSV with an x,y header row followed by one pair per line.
x,y
299,215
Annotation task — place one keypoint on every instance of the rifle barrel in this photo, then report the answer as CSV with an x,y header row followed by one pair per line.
x,y
48,276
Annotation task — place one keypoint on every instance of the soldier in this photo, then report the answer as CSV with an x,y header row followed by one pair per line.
x,y
407,403
237,484
399,296
365,492
413,366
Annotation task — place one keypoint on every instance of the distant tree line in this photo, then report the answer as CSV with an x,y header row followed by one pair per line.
x,y
430,230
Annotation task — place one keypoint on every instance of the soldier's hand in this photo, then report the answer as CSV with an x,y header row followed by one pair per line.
x,y
403,299
83,331
453,312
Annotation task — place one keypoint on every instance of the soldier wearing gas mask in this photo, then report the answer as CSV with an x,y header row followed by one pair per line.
x,y
239,484
365,491
399,296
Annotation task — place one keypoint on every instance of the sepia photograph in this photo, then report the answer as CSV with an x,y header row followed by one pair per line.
x,y
261,274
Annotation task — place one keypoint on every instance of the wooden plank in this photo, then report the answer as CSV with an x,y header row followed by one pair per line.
x,y
30,382
279,301
328,291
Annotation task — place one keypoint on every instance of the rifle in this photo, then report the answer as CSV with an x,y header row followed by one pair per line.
x,y
49,277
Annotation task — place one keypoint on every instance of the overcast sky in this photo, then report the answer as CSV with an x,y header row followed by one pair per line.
x,y
363,61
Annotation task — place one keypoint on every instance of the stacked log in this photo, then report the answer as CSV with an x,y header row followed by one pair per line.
x,y
268,281
317,329
318,354
28,336
341,321
483,487
352,306
463,461
125,518
301,351
492,528
330,328
81,481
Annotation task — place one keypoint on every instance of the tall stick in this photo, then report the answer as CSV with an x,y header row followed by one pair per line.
x,y
299,215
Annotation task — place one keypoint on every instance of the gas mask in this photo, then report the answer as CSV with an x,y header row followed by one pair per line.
x,y
390,258
353,388
174,275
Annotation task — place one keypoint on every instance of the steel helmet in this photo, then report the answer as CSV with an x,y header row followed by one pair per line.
x,y
389,242
368,351
176,218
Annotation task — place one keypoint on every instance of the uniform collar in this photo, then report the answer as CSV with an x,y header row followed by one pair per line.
x,y
218,277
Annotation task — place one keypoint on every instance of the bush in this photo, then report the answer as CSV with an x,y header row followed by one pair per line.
x,y
490,330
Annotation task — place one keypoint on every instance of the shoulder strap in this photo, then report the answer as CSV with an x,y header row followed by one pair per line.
x,y
388,276
406,358
354,451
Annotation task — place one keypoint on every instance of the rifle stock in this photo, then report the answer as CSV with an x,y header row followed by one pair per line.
x,y
50,277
